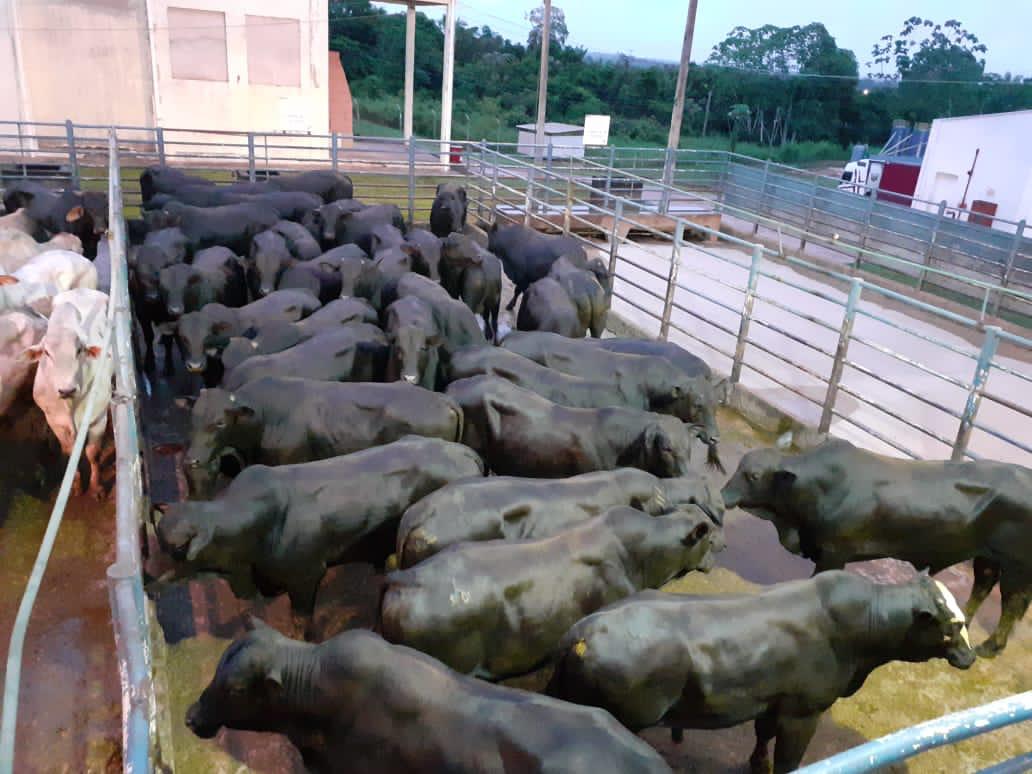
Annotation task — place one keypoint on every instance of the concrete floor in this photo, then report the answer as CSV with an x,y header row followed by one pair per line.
x,y
710,284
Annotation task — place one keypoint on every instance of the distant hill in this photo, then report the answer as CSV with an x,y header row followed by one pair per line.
x,y
634,61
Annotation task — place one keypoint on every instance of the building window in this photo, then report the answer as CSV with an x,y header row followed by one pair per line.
x,y
273,51
197,44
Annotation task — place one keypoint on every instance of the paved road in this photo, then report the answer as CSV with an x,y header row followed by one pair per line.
x,y
814,315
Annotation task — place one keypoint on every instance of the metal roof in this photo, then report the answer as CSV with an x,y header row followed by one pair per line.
x,y
554,127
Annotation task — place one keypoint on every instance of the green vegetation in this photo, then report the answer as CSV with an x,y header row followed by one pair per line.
x,y
786,93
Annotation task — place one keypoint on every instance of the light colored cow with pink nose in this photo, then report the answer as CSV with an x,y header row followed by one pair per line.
x,y
71,364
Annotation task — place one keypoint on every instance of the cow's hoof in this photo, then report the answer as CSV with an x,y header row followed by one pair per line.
x,y
988,649
759,765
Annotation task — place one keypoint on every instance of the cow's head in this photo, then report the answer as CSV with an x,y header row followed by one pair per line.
x,y
691,489
663,448
204,334
65,356
159,219
763,480
938,628
269,266
695,401
246,691
173,283
412,346
150,260
670,545
224,430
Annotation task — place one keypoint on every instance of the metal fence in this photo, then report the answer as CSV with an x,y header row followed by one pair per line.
x,y
840,353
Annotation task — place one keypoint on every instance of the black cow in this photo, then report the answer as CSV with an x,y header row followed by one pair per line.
x,y
322,221
231,225
205,333
471,273
425,717
780,657
161,179
837,504
522,434
290,205
498,609
299,242
429,251
527,255
510,508
160,249
83,213
691,365
285,420
548,308
277,336
585,291
215,276
327,184
360,227
414,341
448,212
348,353
457,326
277,529
670,390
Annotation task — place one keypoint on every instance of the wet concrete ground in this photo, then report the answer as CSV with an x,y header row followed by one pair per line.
x,y
70,701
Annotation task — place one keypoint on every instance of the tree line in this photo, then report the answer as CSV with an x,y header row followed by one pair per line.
x,y
777,87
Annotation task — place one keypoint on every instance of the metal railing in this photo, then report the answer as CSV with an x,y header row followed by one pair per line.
x,y
841,353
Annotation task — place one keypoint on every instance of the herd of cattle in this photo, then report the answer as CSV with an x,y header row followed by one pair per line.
x,y
527,493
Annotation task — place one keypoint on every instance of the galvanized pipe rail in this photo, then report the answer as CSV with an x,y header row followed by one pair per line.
x,y
512,189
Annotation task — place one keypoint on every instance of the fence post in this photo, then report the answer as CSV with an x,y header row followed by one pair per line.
x,y
159,144
528,198
866,229
614,241
568,211
494,192
666,180
250,157
845,333
334,148
548,157
809,214
671,289
73,158
743,327
967,420
411,181
1009,267
926,257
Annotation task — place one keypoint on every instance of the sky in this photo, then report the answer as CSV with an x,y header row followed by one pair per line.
x,y
654,28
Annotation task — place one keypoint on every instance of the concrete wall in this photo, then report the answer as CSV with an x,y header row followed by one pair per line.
x,y
81,59
238,102
1003,171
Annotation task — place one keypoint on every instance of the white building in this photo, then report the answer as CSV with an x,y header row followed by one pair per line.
x,y
996,149
567,140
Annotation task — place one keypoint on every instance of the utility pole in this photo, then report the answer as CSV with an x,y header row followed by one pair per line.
x,y
546,38
682,79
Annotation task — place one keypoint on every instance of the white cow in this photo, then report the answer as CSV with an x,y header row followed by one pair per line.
x,y
17,247
20,221
18,332
70,364
43,276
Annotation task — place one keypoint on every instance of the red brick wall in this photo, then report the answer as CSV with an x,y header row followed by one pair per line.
x,y
341,108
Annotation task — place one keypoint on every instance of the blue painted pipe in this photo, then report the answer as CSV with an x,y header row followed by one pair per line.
x,y
948,729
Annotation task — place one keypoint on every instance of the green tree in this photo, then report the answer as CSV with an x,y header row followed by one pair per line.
x,y
926,50
557,33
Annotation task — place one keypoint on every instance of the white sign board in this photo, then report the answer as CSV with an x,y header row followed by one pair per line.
x,y
292,114
596,130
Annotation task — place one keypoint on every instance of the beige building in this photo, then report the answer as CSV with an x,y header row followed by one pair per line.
x,y
260,65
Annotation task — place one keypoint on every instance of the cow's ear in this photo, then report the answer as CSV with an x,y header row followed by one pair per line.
x,y
412,251
783,480
8,279
93,351
437,191
34,353
699,532
199,542
74,214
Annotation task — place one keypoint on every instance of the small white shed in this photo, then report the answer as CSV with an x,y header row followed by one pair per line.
x,y
567,140
996,150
